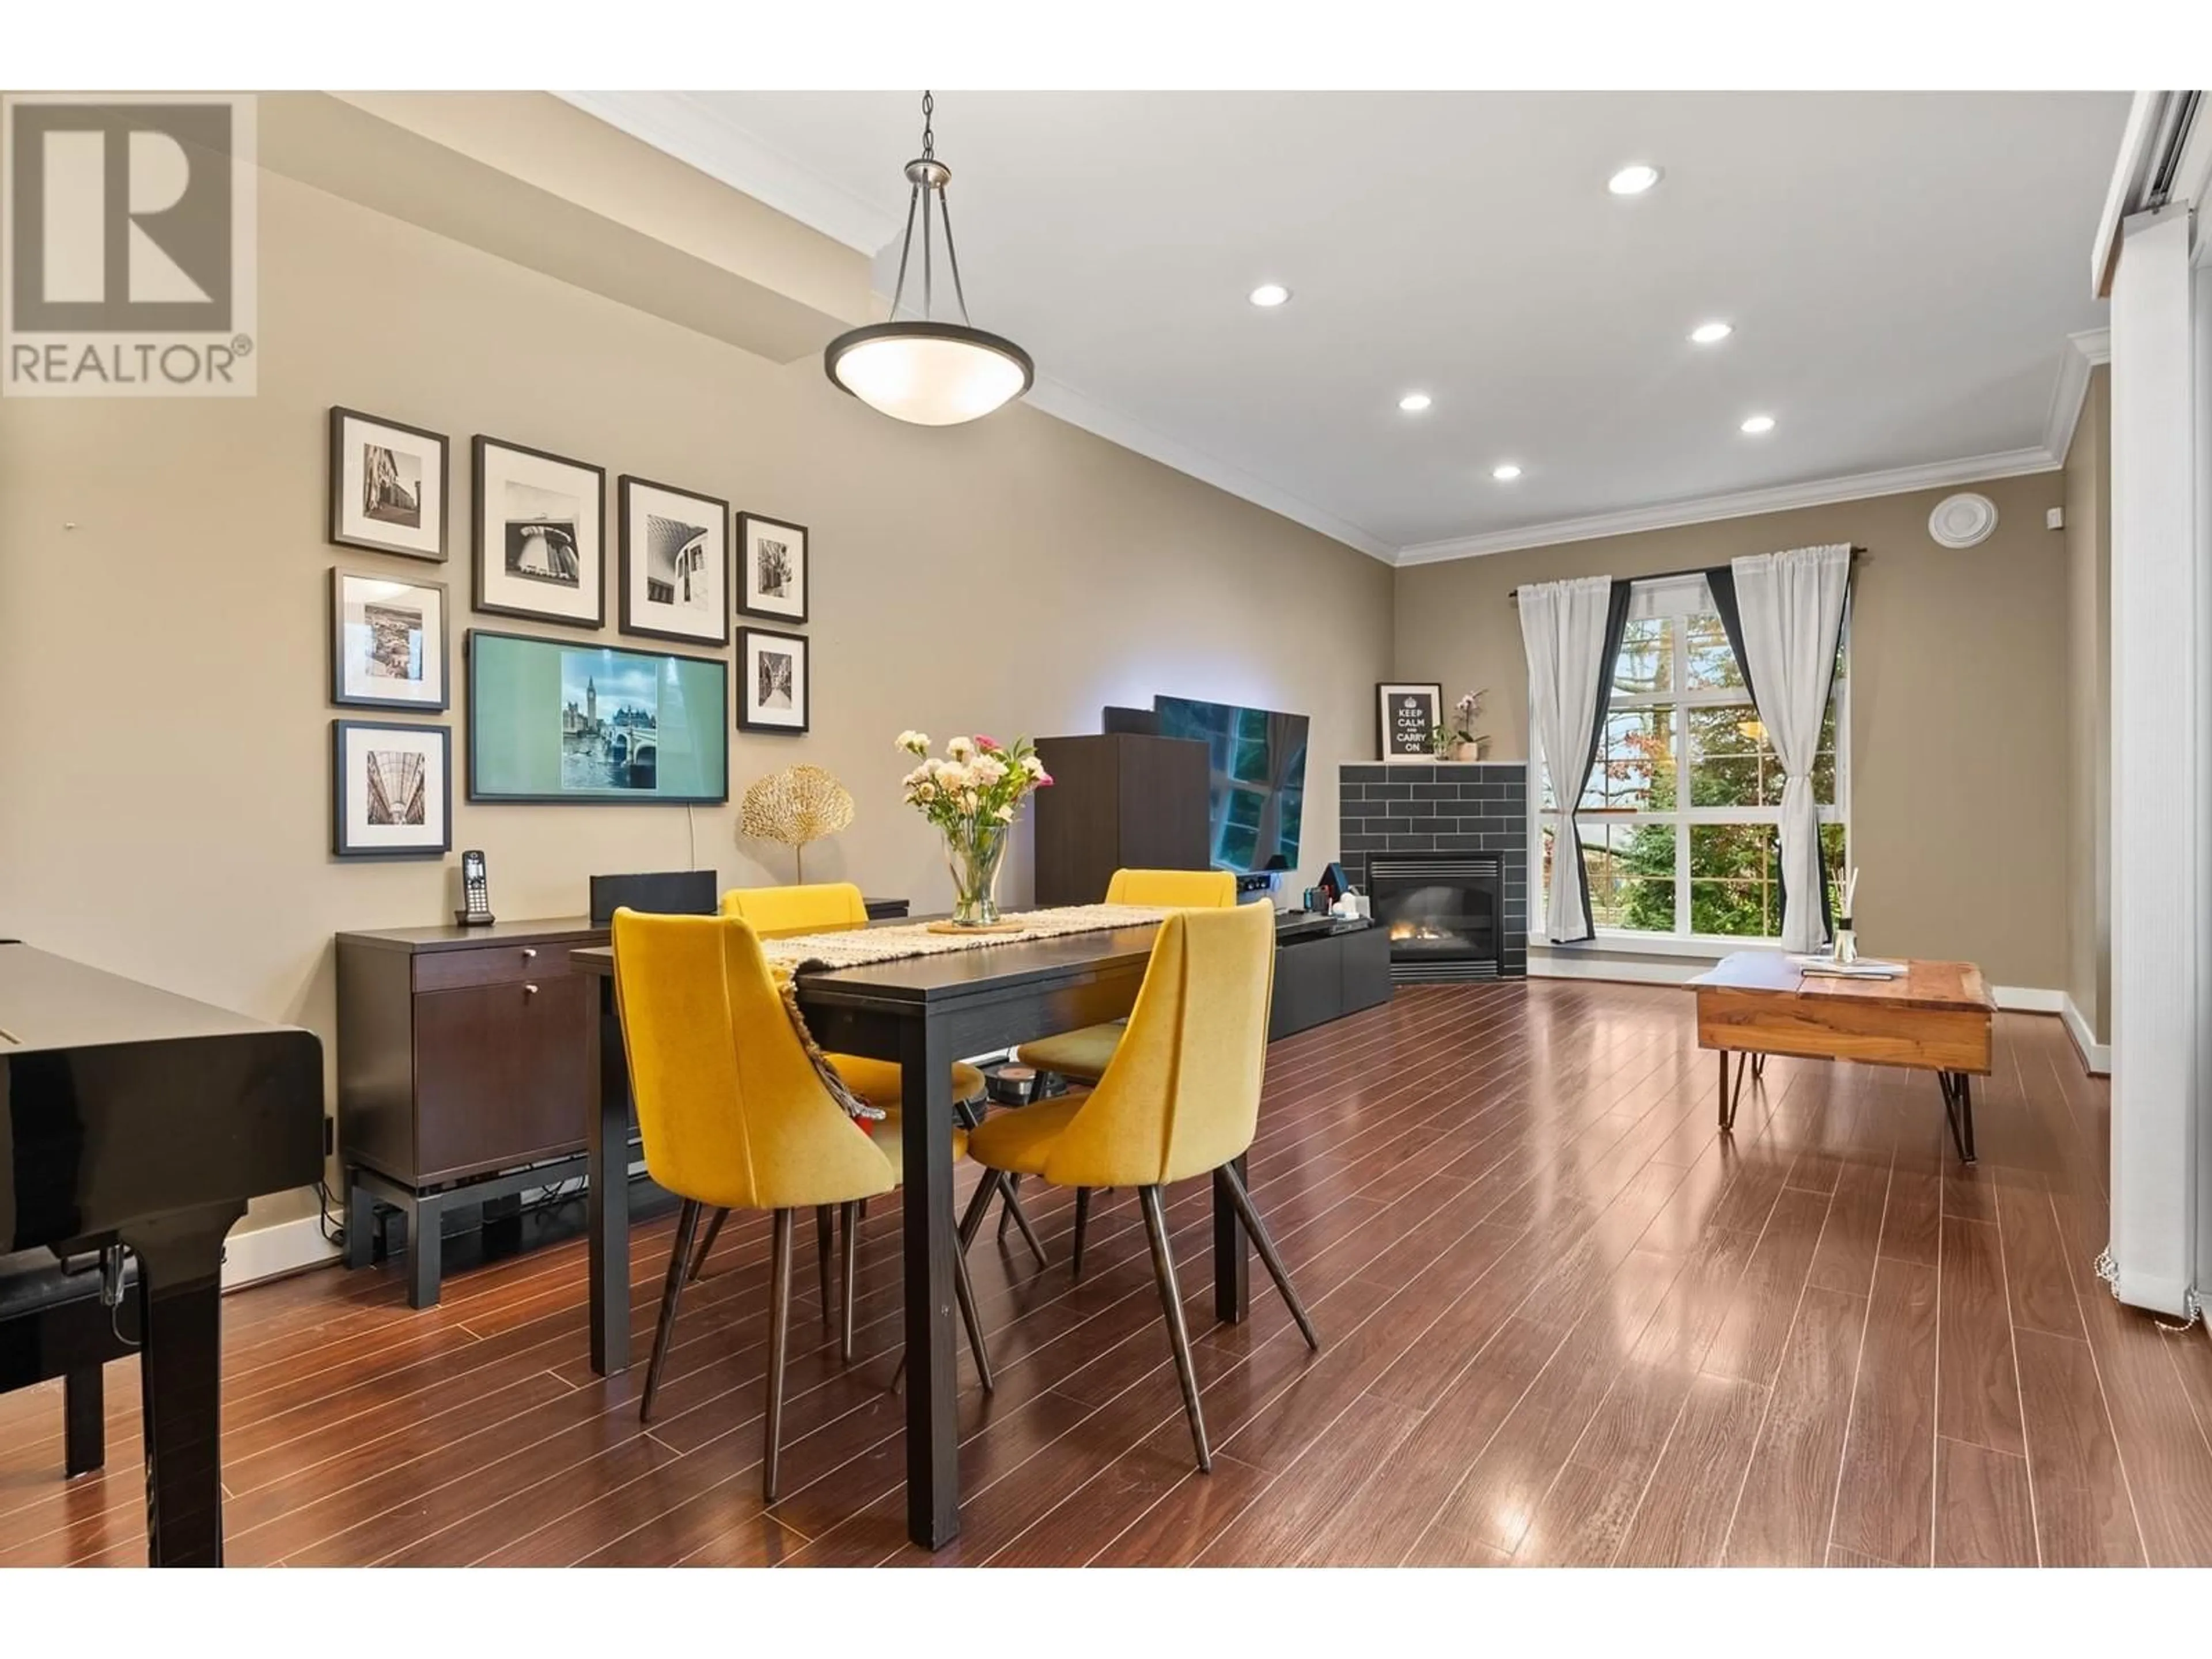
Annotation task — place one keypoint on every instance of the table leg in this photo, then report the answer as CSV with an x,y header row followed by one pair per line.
x,y
933,1424
180,1380
426,1251
1959,1110
1747,1065
606,1152
1232,1252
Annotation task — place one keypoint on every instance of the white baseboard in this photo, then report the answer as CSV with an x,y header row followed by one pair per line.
x,y
2028,999
1630,969
2096,1057
268,1251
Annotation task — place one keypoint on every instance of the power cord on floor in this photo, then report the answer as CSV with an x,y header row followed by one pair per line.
x,y
549,1197
332,1228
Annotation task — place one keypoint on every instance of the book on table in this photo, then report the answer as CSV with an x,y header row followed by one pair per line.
x,y
1865,968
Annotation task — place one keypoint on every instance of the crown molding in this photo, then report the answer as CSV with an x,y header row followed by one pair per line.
x,y
1063,404
678,124
1781,498
2083,350
2071,389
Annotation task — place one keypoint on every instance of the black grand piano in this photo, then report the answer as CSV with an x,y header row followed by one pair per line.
x,y
131,1116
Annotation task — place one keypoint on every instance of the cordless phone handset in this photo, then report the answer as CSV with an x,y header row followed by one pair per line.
x,y
476,893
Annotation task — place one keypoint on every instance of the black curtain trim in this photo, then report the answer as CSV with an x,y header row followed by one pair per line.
x,y
1616,627
1720,582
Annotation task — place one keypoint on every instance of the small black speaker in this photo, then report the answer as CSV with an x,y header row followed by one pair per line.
x,y
1134,722
666,893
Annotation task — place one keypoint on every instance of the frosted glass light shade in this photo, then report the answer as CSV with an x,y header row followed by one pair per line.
x,y
929,374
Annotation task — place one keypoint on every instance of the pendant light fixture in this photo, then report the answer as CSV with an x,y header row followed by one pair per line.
x,y
929,372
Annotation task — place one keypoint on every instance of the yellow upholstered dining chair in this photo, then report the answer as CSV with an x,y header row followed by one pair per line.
x,y
1082,1056
826,907
734,1116
1180,1098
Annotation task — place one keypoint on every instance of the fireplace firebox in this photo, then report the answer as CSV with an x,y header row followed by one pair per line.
x,y
1443,914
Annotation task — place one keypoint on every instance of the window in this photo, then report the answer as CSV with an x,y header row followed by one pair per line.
x,y
1678,818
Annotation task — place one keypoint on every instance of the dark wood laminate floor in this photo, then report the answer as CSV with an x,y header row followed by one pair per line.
x,y
1566,1322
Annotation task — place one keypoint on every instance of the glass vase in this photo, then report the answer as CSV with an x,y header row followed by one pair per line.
x,y
972,853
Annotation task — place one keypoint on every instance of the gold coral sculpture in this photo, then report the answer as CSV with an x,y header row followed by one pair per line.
x,y
798,805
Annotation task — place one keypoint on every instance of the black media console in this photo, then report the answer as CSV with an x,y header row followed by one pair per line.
x,y
1326,968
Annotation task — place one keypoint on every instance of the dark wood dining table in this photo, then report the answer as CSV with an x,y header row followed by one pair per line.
x,y
922,1012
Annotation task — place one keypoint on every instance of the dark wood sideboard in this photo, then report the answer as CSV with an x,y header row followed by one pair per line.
x,y
1118,801
461,1062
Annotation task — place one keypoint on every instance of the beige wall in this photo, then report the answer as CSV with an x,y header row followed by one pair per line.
x,y
2089,709
1959,734
163,663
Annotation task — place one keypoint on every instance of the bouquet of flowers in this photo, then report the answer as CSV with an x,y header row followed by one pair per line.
x,y
972,794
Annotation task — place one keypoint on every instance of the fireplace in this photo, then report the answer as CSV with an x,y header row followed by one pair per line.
x,y
1452,813
1442,911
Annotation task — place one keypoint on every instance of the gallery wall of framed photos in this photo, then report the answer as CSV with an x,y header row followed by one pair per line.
x,y
555,720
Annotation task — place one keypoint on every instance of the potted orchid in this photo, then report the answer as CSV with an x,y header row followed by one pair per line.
x,y
972,795
1459,740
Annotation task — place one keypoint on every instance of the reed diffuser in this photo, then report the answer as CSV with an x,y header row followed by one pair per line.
x,y
1846,945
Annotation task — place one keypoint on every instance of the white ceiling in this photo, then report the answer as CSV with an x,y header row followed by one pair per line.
x,y
1903,271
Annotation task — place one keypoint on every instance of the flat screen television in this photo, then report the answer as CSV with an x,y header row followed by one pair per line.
x,y
1256,793
554,721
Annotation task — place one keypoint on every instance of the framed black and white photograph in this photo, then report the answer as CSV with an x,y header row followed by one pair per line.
x,y
387,486
1408,717
775,681
675,572
539,546
392,790
387,642
772,571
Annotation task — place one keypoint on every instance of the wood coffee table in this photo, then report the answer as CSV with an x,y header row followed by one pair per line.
x,y
1935,1017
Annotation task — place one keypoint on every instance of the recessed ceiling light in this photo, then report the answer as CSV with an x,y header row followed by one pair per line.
x,y
1505,473
1759,423
1413,401
1269,294
1711,333
1633,179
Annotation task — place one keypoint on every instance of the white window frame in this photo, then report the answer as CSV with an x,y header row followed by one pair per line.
x,y
1680,598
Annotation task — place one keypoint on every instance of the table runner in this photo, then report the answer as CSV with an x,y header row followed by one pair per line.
x,y
858,947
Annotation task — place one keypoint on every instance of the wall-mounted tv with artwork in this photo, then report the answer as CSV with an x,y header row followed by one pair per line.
x,y
555,721
1257,789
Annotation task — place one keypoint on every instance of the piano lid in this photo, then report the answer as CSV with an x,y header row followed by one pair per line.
x,y
120,1102
48,1001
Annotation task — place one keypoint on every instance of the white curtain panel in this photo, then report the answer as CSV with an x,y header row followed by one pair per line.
x,y
1563,629
1792,607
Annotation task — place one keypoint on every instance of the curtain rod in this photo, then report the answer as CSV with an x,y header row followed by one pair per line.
x,y
1859,556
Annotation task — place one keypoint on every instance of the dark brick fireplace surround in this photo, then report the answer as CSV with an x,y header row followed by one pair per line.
x,y
1481,807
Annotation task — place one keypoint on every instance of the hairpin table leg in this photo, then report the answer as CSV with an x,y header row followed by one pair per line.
x,y
1959,1110
1750,1065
